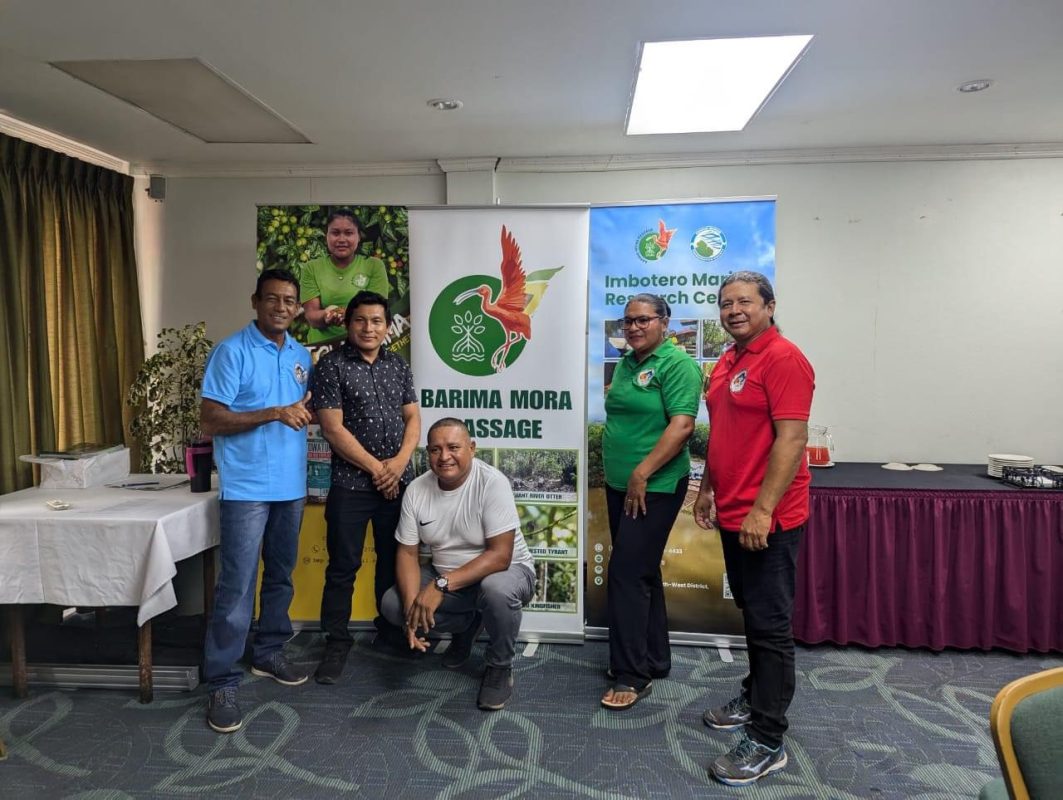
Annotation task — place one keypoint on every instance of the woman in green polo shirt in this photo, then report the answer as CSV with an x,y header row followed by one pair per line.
x,y
650,410
328,283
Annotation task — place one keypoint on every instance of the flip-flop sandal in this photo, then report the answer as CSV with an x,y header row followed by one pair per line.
x,y
646,691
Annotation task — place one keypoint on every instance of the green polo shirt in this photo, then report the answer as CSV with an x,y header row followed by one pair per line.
x,y
642,398
321,278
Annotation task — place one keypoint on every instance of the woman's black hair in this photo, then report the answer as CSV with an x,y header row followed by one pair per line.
x,y
347,214
660,305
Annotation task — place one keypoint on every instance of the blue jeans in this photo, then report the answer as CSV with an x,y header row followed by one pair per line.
x,y
248,527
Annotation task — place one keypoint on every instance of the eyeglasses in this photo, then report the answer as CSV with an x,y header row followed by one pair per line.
x,y
638,322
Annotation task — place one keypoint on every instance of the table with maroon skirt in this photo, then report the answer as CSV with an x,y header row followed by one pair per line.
x,y
930,559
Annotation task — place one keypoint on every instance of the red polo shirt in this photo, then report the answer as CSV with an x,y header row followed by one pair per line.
x,y
767,380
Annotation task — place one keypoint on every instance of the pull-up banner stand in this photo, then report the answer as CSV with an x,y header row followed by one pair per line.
x,y
500,298
682,252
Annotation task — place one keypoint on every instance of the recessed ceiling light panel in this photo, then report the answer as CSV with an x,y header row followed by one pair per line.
x,y
974,86
706,85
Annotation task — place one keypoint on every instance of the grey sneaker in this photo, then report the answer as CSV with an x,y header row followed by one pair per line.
x,y
279,668
495,688
733,714
747,762
223,714
461,644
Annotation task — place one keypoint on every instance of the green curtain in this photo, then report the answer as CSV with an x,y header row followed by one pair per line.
x,y
69,305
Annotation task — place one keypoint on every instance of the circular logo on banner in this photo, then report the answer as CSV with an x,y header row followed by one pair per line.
x,y
653,244
708,243
464,332
479,324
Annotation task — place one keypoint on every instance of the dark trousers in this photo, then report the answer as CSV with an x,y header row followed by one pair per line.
x,y
638,618
762,583
346,514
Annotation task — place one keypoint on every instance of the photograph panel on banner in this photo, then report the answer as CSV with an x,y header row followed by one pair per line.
x,y
334,252
334,261
681,252
503,348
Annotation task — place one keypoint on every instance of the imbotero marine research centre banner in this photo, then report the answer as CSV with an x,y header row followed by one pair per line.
x,y
500,342
682,252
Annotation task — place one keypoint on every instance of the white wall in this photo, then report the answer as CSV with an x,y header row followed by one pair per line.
x,y
149,216
929,296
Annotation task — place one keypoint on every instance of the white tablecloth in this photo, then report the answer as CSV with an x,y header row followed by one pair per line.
x,y
113,547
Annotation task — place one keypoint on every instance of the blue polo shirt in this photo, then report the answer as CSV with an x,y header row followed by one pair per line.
x,y
248,372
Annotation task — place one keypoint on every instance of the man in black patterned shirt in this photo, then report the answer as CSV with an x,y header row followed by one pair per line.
x,y
367,407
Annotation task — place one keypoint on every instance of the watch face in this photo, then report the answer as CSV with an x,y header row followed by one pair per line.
x,y
442,583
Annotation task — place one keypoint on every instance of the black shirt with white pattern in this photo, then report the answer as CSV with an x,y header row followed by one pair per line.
x,y
371,397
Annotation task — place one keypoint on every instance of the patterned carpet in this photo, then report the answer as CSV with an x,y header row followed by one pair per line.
x,y
882,724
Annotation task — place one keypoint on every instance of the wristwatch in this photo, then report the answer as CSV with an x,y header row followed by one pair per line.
x,y
443,584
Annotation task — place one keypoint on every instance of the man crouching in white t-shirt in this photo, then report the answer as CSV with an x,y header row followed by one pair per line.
x,y
481,574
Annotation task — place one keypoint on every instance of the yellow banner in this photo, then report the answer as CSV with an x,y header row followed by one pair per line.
x,y
308,577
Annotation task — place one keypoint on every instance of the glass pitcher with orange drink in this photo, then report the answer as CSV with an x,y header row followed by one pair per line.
x,y
820,446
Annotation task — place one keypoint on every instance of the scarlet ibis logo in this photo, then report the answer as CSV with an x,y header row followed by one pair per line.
x,y
480,324
653,244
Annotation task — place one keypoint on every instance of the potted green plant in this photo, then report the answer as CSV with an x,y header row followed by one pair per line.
x,y
165,395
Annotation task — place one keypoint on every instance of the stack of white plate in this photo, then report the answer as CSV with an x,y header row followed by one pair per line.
x,y
997,462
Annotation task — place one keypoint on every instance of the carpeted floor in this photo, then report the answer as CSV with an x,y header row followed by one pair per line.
x,y
882,724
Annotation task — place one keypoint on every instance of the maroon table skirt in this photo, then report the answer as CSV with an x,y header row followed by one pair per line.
x,y
932,569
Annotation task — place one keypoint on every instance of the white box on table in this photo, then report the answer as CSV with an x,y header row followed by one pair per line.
x,y
83,473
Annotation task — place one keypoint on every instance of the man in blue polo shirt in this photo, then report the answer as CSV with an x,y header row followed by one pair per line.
x,y
255,406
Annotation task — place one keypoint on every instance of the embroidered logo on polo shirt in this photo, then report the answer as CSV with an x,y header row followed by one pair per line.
x,y
643,378
300,373
738,382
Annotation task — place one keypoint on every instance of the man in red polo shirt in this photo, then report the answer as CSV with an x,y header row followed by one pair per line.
x,y
756,488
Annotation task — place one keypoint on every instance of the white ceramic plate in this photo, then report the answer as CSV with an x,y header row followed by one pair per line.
x,y
896,466
822,466
927,467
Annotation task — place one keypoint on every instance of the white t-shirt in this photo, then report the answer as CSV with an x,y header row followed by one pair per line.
x,y
457,524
